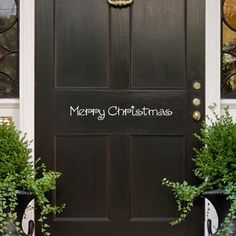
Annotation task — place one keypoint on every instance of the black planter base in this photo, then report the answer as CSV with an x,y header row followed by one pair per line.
x,y
219,200
23,199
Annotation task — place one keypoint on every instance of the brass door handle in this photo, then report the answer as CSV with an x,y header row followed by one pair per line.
x,y
197,115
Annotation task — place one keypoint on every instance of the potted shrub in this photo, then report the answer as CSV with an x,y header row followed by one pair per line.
x,y
215,166
21,181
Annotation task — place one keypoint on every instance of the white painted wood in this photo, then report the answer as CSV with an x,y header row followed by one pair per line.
x,y
10,108
213,53
27,59
10,103
231,104
213,73
27,67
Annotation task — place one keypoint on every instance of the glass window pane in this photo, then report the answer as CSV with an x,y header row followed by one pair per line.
x,y
228,83
229,37
229,15
9,66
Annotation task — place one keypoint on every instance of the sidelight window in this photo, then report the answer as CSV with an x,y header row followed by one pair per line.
x,y
9,49
228,48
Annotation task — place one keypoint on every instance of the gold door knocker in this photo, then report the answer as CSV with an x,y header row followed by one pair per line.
x,y
120,3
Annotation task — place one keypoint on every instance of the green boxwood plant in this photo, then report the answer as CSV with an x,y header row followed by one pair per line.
x,y
18,173
215,165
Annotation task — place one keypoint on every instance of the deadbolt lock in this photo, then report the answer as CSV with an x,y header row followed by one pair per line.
x,y
196,102
197,85
196,115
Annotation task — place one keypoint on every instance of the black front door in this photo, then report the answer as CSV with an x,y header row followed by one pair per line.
x,y
114,92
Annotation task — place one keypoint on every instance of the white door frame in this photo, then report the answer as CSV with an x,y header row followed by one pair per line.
x,y
27,65
27,78
213,53
27,61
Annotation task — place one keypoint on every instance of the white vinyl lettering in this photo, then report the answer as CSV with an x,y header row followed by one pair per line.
x,y
116,111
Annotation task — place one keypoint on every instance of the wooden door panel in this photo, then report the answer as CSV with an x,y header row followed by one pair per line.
x,y
166,157
81,37
120,46
88,194
94,159
175,101
158,44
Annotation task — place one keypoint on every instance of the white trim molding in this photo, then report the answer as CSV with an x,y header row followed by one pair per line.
x,y
213,53
212,76
9,107
27,75
9,103
231,103
27,59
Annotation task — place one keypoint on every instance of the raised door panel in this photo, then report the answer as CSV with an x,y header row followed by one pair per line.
x,y
158,44
84,162
81,44
152,159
